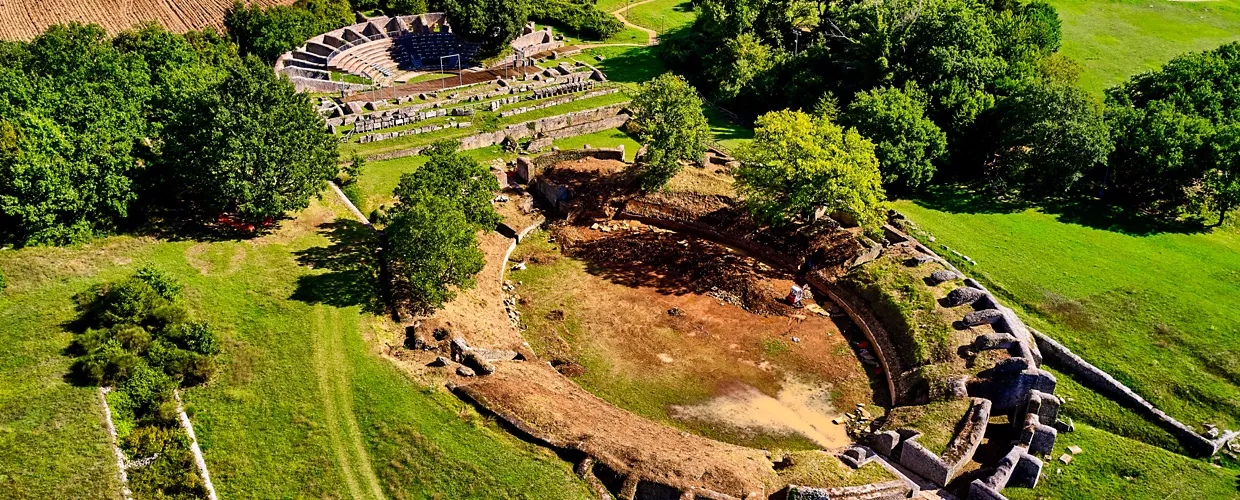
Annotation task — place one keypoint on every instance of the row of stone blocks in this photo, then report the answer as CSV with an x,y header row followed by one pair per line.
x,y
556,102
383,136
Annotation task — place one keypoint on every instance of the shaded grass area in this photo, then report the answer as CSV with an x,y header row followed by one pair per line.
x,y
1156,310
662,15
1115,39
1111,466
937,422
729,135
627,64
302,407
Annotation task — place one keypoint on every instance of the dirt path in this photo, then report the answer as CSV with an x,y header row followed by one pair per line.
x,y
335,390
651,35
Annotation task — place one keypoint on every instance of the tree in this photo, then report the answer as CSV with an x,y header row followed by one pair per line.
x,y
798,163
1050,136
455,178
492,23
433,249
1221,190
271,31
1157,155
71,113
908,143
670,122
253,147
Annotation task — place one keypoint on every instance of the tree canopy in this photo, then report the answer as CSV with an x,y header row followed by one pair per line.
x,y
252,146
800,163
493,23
671,124
457,179
432,231
908,143
96,133
268,32
1050,137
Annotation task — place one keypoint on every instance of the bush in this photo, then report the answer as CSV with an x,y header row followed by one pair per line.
x,y
4,282
148,388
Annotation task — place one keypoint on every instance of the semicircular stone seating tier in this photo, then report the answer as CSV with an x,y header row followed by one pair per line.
x,y
378,48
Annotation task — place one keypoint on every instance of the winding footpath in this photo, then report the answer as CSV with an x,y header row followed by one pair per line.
x,y
651,35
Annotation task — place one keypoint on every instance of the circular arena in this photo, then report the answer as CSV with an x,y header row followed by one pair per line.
x,y
648,338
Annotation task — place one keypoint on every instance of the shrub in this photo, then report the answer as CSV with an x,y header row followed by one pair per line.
x,y
4,282
195,336
148,388
163,284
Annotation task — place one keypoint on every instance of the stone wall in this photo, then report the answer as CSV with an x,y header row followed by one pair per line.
x,y
556,127
942,469
1098,380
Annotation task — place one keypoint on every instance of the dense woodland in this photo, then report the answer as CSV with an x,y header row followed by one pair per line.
x,y
101,134
974,92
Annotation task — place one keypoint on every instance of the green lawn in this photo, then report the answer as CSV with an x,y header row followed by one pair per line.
x,y
1115,39
1115,467
627,64
662,15
605,139
1155,309
302,407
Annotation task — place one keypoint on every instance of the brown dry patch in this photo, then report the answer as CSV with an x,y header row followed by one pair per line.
x,y
307,222
478,314
648,302
556,410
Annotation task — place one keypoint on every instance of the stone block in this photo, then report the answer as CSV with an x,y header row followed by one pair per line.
x,y
1027,472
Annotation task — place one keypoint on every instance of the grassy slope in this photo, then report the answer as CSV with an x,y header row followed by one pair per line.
x,y
52,438
1115,39
662,15
1115,467
1156,311
301,395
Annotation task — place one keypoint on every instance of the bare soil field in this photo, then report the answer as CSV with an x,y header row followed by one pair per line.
x,y
24,19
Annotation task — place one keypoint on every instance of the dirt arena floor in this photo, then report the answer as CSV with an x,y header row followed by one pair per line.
x,y
23,19
689,332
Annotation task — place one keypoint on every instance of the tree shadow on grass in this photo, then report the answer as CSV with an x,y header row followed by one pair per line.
x,y
1089,212
351,263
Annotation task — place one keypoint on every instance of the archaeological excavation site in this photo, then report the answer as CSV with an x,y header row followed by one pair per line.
x,y
654,340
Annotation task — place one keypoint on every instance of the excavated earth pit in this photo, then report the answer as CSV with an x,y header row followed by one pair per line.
x,y
689,332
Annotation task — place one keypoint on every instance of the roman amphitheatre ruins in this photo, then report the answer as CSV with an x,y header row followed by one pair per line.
x,y
665,344
647,339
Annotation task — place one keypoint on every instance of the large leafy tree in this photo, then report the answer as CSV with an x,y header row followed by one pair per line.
x,y
1173,133
268,32
908,143
456,178
670,122
1220,191
252,147
1050,136
71,114
493,23
799,163
433,249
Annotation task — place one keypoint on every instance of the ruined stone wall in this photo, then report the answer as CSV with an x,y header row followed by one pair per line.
x,y
1098,380
560,126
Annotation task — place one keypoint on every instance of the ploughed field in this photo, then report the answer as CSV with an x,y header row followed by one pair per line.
x,y
23,19
691,333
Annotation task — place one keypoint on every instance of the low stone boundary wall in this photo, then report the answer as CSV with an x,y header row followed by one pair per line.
x,y
1098,380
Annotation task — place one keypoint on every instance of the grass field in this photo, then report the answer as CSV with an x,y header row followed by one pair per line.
x,y
301,394
662,15
1115,39
1153,306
